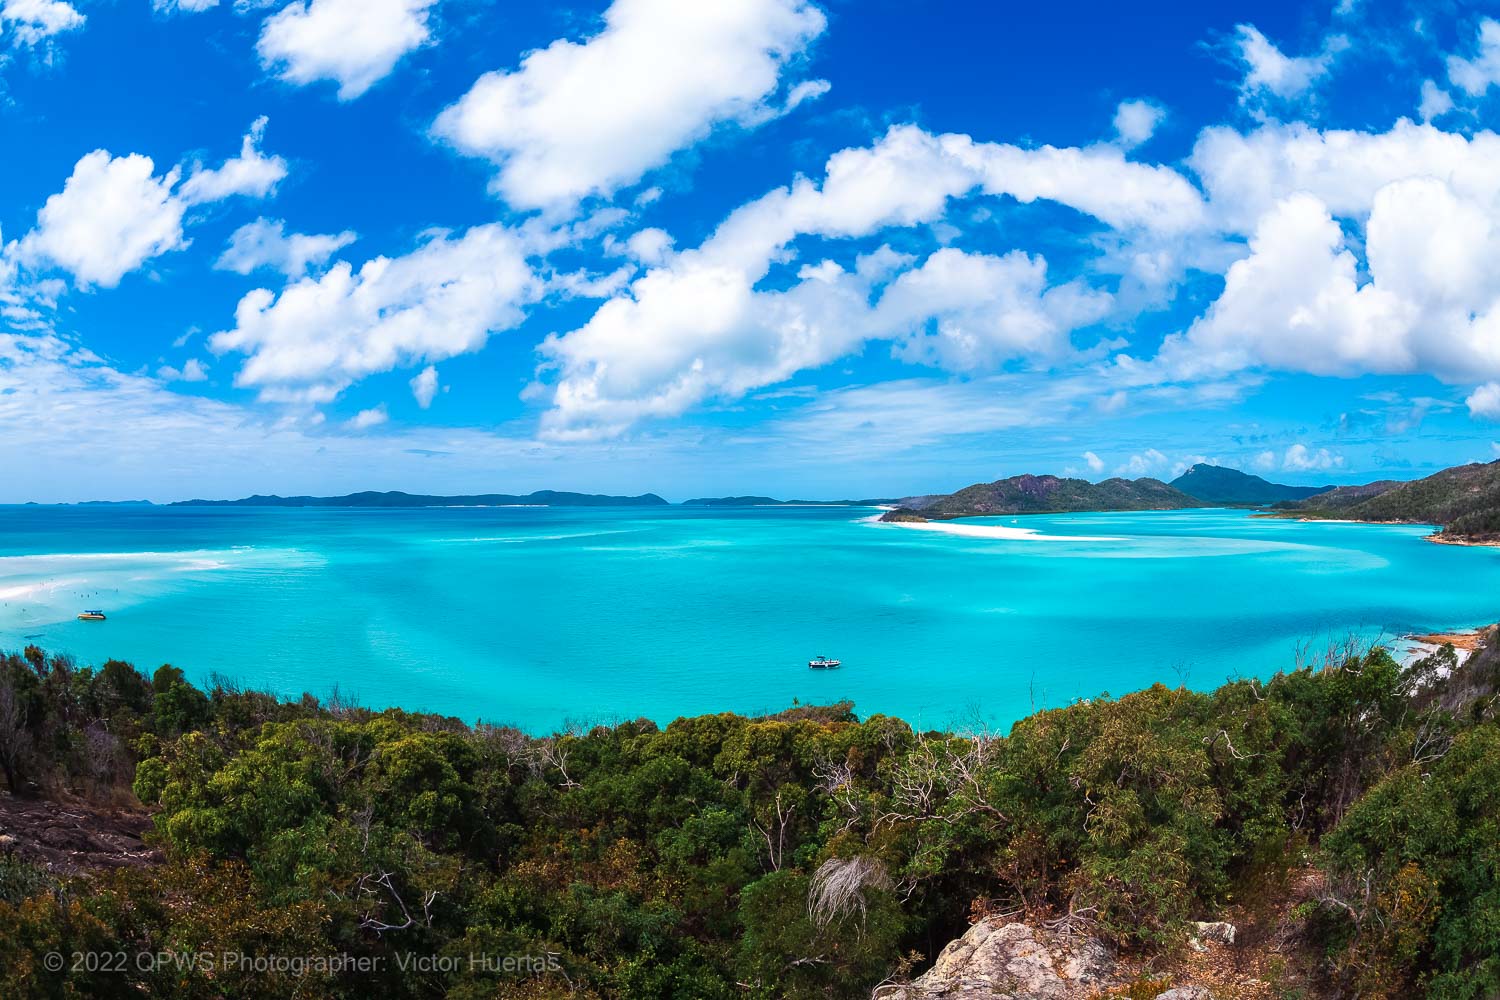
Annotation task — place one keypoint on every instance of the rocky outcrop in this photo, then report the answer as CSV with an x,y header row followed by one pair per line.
x,y
73,836
1009,961
995,960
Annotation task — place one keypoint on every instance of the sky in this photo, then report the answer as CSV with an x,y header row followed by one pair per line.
x,y
807,249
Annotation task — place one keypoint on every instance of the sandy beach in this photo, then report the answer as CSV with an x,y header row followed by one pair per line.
x,y
999,531
1465,643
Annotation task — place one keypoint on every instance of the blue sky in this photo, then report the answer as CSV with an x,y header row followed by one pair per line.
x,y
808,249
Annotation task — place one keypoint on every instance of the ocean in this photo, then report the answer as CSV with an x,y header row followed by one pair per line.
x,y
547,617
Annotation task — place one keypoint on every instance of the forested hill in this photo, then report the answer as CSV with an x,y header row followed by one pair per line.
x,y
395,498
1343,816
1464,500
1216,484
1045,495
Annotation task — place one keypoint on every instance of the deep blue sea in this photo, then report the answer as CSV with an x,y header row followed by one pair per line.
x,y
541,616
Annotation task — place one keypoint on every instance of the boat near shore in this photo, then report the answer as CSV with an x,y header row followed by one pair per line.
x,y
91,616
823,663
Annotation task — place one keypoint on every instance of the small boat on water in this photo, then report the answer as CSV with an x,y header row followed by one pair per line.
x,y
91,616
823,663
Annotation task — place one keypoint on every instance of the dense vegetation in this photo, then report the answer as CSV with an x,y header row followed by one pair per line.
x,y
1049,494
1465,500
807,854
1218,485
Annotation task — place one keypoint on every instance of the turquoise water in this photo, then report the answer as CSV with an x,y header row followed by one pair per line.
x,y
539,615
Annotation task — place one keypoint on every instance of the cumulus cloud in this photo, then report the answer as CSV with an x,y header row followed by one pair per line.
x,y
1300,458
1095,463
114,213
1369,252
579,119
252,173
192,370
1137,121
32,22
1436,102
698,326
1476,75
1268,71
971,312
1147,463
365,419
1485,401
424,386
354,43
265,243
321,334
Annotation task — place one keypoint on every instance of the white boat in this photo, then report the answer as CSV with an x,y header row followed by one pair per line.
x,y
823,663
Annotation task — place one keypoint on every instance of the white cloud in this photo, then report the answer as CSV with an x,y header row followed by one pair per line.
x,y
1265,461
1485,401
265,243
970,312
580,119
1246,174
1423,208
252,173
649,246
34,21
424,386
697,327
192,370
1475,76
83,430
1269,71
1294,303
1137,121
114,213
353,42
184,6
807,90
1096,464
1436,102
1147,463
365,419
1299,458
440,300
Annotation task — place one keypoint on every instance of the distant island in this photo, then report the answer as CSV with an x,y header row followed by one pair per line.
x,y
1214,484
1043,495
395,498
773,502
1463,501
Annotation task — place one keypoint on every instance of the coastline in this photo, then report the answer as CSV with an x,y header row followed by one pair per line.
x,y
1465,642
998,531
1437,538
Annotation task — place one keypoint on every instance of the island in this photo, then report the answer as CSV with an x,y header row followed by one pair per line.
x,y
1042,495
1464,502
1217,485
755,501
395,498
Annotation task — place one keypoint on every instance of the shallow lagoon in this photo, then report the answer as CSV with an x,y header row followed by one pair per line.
x,y
535,616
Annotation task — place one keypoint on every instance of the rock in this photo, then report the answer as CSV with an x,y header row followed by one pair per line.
x,y
1216,931
1186,993
1011,961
